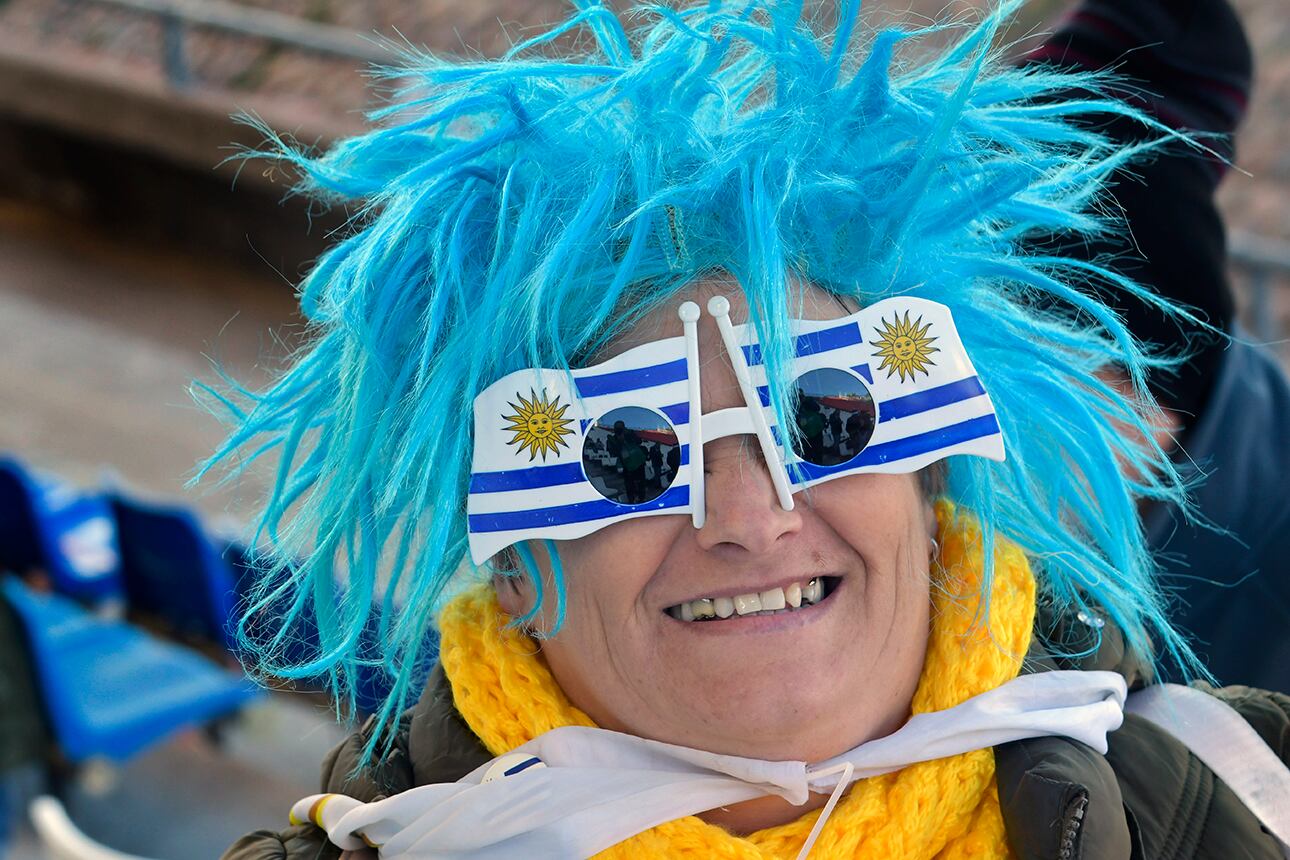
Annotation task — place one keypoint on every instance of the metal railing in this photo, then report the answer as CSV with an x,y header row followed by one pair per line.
x,y
1264,261
178,17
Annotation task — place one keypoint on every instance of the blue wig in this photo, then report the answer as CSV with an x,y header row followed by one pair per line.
x,y
520,212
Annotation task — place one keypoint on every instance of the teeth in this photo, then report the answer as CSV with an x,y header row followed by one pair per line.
x,y
772,600
769,602
813,591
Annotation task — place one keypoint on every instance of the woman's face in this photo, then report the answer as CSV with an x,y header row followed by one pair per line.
x,y
795,685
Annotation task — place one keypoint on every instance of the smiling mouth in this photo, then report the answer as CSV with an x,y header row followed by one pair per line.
x,y
775,601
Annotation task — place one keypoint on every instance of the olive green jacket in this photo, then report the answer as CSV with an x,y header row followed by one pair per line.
x,y
1148,798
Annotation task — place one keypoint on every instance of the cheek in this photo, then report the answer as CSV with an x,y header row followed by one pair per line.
x,y
603,651
873,510
886,521
607,572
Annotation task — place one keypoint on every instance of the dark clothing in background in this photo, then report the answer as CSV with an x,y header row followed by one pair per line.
x,y
1189,65
1235,588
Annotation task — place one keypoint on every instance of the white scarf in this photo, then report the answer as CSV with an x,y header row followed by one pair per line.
x,y
596,788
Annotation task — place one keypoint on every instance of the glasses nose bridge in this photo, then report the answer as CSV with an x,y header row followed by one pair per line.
x,y
749,418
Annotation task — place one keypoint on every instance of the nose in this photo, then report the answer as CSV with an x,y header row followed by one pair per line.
x,y
743,510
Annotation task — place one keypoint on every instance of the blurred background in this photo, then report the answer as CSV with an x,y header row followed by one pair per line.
x,y
131,257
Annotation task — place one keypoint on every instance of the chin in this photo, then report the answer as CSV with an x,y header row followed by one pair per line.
x,y
772,720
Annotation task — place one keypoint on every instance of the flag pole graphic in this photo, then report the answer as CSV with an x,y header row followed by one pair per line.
x,y
719,307
689,313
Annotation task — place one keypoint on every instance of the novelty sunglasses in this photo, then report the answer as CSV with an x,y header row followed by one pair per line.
x,y
561,454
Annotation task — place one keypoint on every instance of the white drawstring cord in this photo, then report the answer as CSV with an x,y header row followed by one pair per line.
x,y
847,769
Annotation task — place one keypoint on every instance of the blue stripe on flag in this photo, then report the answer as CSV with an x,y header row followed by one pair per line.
x,y
932,398
522,766
629,380
677,413
814,342
902,449
537,476
581,512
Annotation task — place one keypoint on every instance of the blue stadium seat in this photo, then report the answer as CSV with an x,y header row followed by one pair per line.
x,y
109,689
47,524
173,572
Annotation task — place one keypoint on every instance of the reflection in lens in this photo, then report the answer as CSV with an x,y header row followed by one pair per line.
x,y
631,455
835,416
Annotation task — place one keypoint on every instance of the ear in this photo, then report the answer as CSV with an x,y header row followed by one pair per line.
x,y
514,593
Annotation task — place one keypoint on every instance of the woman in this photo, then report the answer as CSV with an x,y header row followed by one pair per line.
x,y
704,227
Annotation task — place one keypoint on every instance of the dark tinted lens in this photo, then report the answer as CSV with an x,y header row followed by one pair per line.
x,y
835,416
631,455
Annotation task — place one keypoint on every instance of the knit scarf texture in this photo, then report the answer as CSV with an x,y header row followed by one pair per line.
x,y
947,808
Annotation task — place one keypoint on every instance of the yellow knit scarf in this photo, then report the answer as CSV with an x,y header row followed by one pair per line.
x,y
948,808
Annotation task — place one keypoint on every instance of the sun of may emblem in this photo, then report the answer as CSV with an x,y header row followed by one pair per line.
x,y
539,425
904,347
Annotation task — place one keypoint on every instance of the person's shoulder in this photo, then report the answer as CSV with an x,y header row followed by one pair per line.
x,y
440,745
1267,712
390,772
430,743
1149,796
1177,806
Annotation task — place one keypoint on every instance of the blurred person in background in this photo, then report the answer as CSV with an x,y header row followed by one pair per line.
x,y
1188,63
926,652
